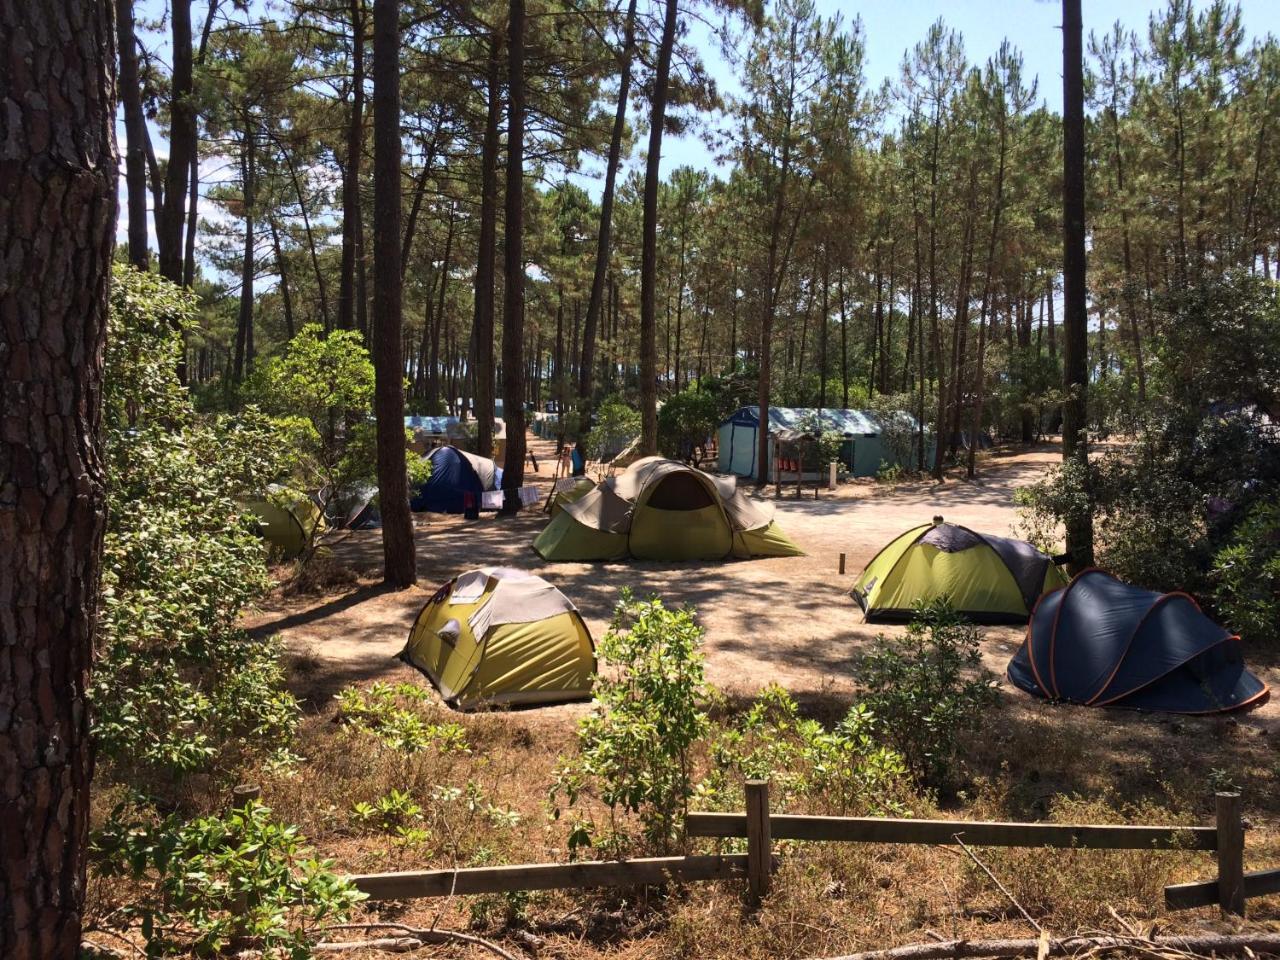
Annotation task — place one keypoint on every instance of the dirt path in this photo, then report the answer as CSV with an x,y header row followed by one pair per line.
x,y
787,620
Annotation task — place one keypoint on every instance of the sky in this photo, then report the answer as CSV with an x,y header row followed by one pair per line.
x,y
890,28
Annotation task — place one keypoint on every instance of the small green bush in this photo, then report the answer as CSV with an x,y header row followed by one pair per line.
x,y
616,424
635,749
1246,576
927,688
216,880
685,422
846,767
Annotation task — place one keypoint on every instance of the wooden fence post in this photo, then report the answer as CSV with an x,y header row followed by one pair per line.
x,y
1230,854
842,564
759,843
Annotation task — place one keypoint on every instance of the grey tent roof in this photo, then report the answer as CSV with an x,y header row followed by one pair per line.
x,y
611,504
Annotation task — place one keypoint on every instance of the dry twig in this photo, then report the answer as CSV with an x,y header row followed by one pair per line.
x,y
996,880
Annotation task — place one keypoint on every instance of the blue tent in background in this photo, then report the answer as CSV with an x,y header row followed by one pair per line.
x,y
458,479
1100,642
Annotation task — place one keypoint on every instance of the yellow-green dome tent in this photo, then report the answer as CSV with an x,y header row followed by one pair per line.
x,y
501,636
287,520
571,494
988,579
662,509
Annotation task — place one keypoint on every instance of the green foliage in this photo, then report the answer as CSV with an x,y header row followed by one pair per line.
x,y
846,767
321,386
615,425
685,422
635,748
1246,576
392,811
213,880
928,688
177,686
395,716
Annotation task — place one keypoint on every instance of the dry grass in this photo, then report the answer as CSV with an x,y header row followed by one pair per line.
x,y
1033,762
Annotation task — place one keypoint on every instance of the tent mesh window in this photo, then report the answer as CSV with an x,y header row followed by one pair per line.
x,y
680,491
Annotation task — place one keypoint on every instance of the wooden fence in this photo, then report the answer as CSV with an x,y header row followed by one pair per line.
x,y
760,828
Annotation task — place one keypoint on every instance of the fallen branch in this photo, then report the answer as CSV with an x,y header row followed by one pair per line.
x,y
1003,889
422,935
1221,944
385,944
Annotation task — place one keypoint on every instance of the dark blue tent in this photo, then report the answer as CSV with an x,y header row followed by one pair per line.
x,y
1100,642
458,479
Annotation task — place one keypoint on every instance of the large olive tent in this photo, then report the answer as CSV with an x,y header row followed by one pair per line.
x,y
1100,642
661,509
286,520
988,579
501,636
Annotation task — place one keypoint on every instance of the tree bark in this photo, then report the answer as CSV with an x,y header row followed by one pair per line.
x,y
351,175
135,161
604,235
1075,344
398,555
513,254
286,295
182,139
244,330
482,325
58,189
649,243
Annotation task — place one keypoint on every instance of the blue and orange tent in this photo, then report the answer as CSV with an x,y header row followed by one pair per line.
x,y
1103,643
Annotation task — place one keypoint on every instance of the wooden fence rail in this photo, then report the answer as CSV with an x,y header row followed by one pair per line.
x,y
760,829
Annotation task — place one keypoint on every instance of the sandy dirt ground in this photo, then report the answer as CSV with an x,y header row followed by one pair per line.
x,y
787,620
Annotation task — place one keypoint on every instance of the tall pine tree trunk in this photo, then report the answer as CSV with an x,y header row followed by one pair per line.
x,y
182,143
57,229
513,263
398,556
649,243
135,160
482,325
603,237
351,175
244,329
1075,343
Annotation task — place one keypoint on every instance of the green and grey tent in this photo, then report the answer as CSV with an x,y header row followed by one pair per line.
x,y
988,579
661,509
286,520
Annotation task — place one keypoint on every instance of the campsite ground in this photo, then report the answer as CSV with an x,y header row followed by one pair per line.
x,y
788,621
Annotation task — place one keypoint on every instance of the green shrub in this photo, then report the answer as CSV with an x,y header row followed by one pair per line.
x,y
927,688
635,748
177,686
846,767
686,421
213,881
615,425
1246,576
395,715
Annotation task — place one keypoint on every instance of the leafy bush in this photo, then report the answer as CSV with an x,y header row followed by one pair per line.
x,y
686,421
615,426
928,688
1246,576
321,385
177,686
635,748
845,767
217,880
394,716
